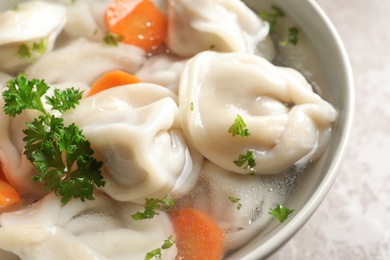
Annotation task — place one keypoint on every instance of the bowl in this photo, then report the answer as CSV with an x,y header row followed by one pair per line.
x,y
329,57
334,62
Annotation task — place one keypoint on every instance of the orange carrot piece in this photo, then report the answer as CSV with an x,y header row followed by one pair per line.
x,y
139,22
112,79
198,236
8,195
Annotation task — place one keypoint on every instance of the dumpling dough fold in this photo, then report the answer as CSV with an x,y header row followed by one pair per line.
x,y
220,25
286,120
134,130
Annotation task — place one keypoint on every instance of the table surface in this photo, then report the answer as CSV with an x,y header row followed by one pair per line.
x,y
353,222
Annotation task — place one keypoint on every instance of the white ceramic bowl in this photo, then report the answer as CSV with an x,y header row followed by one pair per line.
x,y
318,181
339,90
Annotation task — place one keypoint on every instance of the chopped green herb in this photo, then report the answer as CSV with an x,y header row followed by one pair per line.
x,y
157,253
293,37
281,213
95,32
112,39
272,17
63,157
236,200
192,106
38,48
15,8
246,161
151,207
24,52
238,127
154,253
168,243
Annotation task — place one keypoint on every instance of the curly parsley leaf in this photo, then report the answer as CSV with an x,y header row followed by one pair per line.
x,y
280,212
63,157
246,161
152,206
239,127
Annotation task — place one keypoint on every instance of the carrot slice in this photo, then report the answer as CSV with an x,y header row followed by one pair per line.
x,y
198,236
139,22
112,79
8,195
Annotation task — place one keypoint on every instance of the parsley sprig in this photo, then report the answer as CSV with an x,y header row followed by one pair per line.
x,y
63,157
280,212
246,161
153,205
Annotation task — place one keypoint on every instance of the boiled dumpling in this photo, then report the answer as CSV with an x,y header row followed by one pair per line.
x,y
85,61
28,23
135,131
98,229
220,25
162,70
286,120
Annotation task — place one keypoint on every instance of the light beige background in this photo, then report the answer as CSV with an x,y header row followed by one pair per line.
x,y
353,222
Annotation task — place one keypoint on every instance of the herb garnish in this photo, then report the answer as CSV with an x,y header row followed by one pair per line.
x,y
63,157
281,213
168,243
249,159
272,17
38,48
112,39
238,127
293,33
236,200
151,205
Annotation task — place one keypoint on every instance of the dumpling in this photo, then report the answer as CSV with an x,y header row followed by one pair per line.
x,y
98,229
287,121
45,21
134,130
162,70
85,61
220,25
85,19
